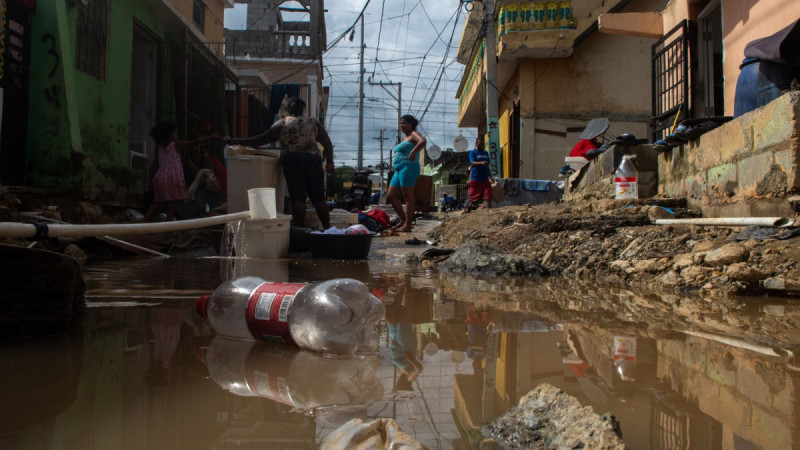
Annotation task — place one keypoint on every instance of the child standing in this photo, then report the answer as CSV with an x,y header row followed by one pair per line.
x,y
168,181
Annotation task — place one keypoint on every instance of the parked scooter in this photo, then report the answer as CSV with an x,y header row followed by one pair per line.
x,y
361,189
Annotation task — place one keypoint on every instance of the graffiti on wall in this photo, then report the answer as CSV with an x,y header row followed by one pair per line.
x,y
51,93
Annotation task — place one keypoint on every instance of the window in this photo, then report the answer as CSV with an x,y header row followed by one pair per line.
x,y
670,80
92,38
199,15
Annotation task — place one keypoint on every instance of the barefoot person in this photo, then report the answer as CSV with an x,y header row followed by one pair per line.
x,y
406,171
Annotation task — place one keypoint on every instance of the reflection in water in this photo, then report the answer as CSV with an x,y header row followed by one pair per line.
x,y
154,375
401,316
285,374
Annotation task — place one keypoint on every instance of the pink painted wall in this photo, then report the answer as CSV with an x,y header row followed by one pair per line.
x,y
742,21
747,20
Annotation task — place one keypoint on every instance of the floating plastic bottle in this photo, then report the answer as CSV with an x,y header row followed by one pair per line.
x,y
626,179
289,375
336,317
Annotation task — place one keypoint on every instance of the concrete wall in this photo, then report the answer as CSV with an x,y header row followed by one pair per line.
x,y
754,157
77,122
753,396
607,76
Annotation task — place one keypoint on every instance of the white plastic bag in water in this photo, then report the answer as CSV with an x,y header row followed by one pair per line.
x,y
378,434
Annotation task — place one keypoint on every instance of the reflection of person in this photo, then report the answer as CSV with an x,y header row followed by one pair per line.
x,y
478,328
406,171
480,186
169,185
165,324
302,162
403,348
401,314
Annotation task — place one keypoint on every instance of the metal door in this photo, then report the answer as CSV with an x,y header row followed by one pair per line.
x,y
144,98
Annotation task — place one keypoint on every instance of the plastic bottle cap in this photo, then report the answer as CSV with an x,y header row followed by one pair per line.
x,y
202,305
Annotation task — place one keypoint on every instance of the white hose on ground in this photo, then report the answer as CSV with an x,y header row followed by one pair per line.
x,y
730,221
741,343
26,230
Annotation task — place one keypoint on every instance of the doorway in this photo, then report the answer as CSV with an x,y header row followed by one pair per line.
x,y
710,49
144,98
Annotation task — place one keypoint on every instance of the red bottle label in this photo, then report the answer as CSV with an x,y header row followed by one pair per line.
x,y
624,179
268,311
267,374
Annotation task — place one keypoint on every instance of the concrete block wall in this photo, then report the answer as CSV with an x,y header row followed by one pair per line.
x,y
752,395
596,179
746,167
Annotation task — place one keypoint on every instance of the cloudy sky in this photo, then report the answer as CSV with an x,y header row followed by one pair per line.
x,y
413,42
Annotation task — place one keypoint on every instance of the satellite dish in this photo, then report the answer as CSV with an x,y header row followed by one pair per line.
x,y
434,151
594,128
460,143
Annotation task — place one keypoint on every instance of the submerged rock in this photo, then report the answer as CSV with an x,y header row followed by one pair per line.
x,y
475,256
547,417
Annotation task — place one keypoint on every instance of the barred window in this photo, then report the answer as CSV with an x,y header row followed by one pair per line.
x,y
199,15
92,38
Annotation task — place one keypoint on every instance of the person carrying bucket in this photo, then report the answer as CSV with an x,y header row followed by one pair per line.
x,y
301,159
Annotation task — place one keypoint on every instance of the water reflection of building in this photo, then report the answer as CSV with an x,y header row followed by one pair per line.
x,y
676,392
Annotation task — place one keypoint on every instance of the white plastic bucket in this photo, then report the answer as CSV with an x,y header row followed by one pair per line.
x,y
262,203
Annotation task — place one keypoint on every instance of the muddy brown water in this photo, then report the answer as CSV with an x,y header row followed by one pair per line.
x,y
144,371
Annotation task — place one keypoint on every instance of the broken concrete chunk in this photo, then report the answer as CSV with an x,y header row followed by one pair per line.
x,y
547,417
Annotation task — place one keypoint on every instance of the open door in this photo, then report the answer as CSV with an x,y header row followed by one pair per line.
x,y
144,98
710,54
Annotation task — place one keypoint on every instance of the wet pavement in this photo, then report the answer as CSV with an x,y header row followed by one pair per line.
x,y
145,371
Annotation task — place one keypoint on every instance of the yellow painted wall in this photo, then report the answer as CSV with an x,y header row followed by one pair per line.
x,y
503,122
215,14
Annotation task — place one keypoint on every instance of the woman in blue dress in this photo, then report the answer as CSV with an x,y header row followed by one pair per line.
x,y
406,170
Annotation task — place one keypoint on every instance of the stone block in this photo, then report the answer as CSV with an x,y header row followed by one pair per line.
x,y
694,356
774,124
648,184
734,140
752,171
785,402
788,162
734,411
695,185
722,180
767,427
751,385
707,394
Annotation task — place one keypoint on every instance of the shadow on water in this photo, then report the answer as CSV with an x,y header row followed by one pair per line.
x,y
456,352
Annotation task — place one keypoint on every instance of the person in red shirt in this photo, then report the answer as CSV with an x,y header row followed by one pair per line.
x,y
583,146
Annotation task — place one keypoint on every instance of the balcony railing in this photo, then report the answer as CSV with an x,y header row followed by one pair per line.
x,y
269,44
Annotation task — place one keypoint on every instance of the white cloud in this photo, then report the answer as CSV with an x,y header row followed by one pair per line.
x,y
413,41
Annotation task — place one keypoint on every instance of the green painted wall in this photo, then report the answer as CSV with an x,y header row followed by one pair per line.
x,y
78,125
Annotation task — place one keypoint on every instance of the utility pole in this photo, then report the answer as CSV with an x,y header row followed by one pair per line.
x,y
492,127
361,103
381,139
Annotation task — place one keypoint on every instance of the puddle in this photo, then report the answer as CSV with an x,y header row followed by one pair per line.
x,y
145,371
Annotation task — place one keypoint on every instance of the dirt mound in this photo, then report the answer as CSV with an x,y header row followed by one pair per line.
x,y
616,241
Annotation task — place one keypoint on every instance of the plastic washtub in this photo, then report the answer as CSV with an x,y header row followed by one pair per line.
x,y
340,246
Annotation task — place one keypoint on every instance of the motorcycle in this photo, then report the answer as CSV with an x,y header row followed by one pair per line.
x,y
361,189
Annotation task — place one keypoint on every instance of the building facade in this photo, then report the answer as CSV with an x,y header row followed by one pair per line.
x,y
109,72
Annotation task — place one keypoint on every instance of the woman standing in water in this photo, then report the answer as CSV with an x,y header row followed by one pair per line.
x,y
406,171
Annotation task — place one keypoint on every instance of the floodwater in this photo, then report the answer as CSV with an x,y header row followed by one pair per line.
x,y
143,370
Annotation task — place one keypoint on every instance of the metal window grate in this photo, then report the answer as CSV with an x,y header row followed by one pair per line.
x,y
198,79
199,15
91,41
670,59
